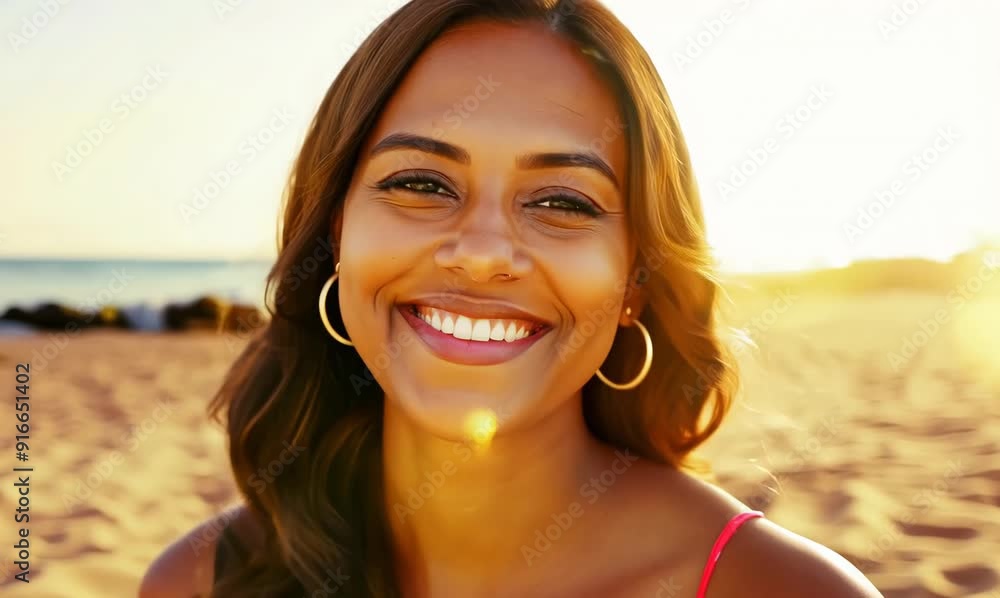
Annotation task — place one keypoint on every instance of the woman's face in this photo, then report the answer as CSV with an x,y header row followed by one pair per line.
x,y
484,248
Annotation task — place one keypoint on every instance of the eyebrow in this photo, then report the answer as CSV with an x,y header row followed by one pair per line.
x,y
424,144
568,159
402,141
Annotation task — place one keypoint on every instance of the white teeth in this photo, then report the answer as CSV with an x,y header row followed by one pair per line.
x,y
466,328
497,333
481,330
463,328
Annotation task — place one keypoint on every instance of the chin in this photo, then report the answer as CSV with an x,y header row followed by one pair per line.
x,y
460,408
432,384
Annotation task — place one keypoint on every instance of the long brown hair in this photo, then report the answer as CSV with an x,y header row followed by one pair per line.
x,y
297,393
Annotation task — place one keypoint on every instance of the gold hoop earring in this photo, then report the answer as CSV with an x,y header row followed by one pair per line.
x,y
647,364
322,308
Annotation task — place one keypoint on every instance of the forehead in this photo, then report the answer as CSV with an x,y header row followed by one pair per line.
x,y
508,86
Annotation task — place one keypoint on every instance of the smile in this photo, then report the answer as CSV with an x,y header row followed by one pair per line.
x,y
468,339
476,329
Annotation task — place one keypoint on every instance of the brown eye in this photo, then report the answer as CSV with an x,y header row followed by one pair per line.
x,y
568,203
424,187
416,183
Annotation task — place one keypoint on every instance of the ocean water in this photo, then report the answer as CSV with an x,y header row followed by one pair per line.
x,y
141,287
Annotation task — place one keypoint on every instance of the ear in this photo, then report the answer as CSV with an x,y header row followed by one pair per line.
x,y
636,297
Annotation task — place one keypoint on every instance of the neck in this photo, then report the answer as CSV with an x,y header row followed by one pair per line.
x,y
461,515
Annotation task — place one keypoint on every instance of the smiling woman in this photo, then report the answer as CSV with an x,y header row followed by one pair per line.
x,y
517,231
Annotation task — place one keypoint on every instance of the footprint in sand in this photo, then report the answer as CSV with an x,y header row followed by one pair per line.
x,y
973,578
938,531
989,474
982,499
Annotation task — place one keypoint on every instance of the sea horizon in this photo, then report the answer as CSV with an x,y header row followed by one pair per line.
x,y
88,284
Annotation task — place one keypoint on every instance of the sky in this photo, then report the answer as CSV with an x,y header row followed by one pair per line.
x,y
821,132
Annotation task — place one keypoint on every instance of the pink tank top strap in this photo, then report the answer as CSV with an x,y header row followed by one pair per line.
x,y
727,533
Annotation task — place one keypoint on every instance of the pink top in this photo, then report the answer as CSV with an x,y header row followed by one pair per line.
x,y
727,533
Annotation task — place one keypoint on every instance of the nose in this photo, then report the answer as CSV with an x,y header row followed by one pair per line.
x,y
485,252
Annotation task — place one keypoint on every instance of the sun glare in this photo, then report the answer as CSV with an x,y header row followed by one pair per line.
x,y
480,427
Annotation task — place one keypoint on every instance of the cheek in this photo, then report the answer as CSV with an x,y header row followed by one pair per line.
x,y
373,237
378,234
371,255
591,283
377,248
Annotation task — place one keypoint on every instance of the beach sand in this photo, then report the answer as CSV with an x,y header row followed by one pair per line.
x,y
894,465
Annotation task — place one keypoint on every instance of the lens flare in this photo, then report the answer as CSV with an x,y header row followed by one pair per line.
x,y
480,427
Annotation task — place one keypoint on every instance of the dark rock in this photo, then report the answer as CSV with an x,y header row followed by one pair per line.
x,y
243,319
52,316
211,313
112,317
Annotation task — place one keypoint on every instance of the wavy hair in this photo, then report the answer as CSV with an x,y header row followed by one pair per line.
x,y
294,386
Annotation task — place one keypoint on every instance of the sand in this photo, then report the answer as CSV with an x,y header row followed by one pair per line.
x,y
125,459
894,464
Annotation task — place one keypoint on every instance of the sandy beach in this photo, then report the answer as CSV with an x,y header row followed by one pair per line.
x,y
894,463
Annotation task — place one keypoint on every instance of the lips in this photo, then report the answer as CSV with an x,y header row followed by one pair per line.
x,y
473,331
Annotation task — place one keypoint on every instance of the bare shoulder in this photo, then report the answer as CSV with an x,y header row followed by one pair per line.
x,y
764,558
185,568
667,520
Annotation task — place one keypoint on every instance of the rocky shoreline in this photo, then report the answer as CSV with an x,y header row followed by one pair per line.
x,y
204,313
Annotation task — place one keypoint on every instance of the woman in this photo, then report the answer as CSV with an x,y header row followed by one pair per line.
x,y
494,384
